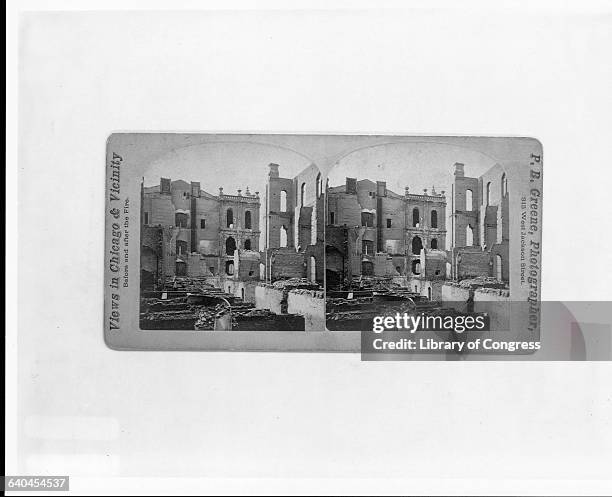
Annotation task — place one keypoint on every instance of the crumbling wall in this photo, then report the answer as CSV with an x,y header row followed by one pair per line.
x,y
249,291
462,216
384,266
248,268
207,209
161,210
489,225
435,264
195,266
399,265
393,237
304,234
346,209
311,305
267,297
276,217
472,262
287,263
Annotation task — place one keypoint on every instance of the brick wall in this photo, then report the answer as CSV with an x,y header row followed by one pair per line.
x,y
473,263
287,263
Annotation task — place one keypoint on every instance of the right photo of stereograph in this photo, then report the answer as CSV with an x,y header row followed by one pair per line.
x,y
425,228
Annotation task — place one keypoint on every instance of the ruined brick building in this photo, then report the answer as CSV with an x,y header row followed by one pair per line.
x,y
294,225
186,231
480,225
373,231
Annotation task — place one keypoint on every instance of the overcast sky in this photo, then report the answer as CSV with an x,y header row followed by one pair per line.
x,y
416,165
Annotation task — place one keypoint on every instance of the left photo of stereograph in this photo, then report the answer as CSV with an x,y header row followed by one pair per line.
x,y
231,238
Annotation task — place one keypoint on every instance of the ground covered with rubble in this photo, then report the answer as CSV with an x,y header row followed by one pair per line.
x,y
188,303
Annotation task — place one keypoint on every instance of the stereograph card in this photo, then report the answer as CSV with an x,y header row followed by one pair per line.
x,y
323,243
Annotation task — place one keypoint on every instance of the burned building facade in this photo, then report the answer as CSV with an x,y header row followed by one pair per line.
x,y
373,231
294,226
480,225
186,231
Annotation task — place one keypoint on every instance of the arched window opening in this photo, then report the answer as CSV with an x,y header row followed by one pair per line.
x,y
181,247
229,217
247,220
181,219
429,292
302,194
488,193
498,267
434,244
504,185
417,245
230,246
434,219
469,199
319,185
367,219
229,270
283,236
469,236
283,201
313,269
181,268
416,268
416,218
247,244
242,293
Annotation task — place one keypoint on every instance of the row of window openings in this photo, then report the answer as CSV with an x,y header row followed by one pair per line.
x,y
367,219
367,246
181,270
469,236
367,269
181,220
283,194
230,246
469,195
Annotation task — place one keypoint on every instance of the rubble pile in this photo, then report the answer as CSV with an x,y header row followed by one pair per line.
x,y
375,296
194,304
159,305
317,294
482,282
208,315
189,284
295,284
501,292
168,320
246,317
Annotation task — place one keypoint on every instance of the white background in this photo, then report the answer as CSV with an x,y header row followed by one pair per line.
x,y
299,422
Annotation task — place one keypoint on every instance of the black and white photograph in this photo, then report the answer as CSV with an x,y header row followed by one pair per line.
x,y
266,247
243,257
392,243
